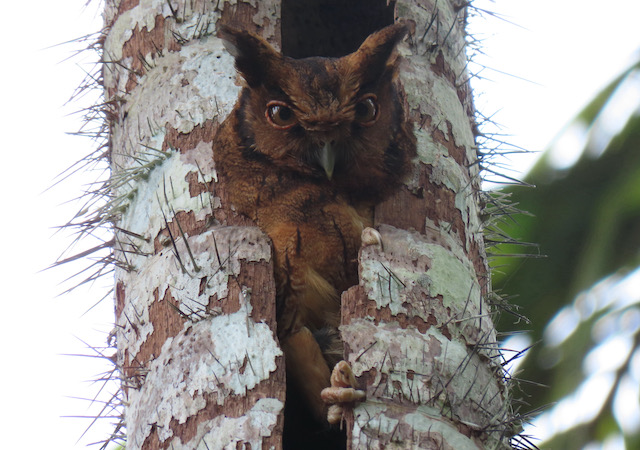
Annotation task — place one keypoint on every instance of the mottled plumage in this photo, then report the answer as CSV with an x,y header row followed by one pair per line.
x,y
310,148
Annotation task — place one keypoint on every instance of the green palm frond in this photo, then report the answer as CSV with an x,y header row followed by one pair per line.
x,y
586,221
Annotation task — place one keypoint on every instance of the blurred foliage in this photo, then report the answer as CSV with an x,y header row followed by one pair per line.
x,y
585,220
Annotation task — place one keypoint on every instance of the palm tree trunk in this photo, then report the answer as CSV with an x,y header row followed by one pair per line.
x,y
194,299
195,296
417,329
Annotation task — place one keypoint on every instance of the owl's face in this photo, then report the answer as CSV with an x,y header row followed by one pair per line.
x,y
323,117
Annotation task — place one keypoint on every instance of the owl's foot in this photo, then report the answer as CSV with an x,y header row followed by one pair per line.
x,y
370,236
343,390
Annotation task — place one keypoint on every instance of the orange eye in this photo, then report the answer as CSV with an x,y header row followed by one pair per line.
x,y
366,110
279,115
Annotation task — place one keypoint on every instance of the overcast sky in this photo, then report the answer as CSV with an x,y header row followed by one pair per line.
x,y
567,50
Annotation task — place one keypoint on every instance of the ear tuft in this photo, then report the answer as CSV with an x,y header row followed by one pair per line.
x,y
254,57
376,53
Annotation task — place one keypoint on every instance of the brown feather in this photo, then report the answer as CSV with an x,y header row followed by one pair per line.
x,y
349,108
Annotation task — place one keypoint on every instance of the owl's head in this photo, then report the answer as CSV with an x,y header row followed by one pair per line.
x,y
329,118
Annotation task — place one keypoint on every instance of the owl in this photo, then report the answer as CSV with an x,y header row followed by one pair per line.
x,y
311,146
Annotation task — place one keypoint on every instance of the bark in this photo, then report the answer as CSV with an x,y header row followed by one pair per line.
x,y
195,301
417,329
194,282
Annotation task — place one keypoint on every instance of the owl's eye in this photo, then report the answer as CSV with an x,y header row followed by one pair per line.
x,y
366,111
279,115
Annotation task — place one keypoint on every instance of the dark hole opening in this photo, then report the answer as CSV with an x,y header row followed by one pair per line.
x,y
330,27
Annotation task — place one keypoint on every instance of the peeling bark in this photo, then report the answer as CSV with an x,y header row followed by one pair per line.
x,y
195,307
417,330
418,340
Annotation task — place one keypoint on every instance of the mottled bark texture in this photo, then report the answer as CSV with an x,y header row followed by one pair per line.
x,y
195,301
417,329
195,308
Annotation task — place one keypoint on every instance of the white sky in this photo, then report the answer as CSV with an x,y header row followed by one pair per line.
x,y
568,49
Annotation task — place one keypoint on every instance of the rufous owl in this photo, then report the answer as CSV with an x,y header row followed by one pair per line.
x,y
310,148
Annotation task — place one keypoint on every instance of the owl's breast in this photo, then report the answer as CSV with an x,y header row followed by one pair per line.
x,y
316,237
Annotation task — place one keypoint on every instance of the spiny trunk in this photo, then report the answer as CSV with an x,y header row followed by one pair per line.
x,y
417,329
195,295
195,298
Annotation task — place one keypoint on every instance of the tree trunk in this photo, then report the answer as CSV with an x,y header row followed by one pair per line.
x,y
195,307
195,296
417,329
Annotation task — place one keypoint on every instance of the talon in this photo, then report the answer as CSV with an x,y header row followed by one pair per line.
x,y
343,390
334,414
371,236
332,395
342,375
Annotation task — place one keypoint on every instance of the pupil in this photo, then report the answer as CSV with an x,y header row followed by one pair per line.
x,y
284,113
362,109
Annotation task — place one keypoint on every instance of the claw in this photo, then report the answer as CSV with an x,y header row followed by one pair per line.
x,y
343,390
370,236
334,414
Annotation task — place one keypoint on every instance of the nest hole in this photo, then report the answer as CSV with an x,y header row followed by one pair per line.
x,y
331,28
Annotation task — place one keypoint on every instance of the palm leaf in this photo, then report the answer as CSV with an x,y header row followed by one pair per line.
x,y
586,220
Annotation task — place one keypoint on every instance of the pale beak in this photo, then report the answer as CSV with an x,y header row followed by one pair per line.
x,y
327,158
